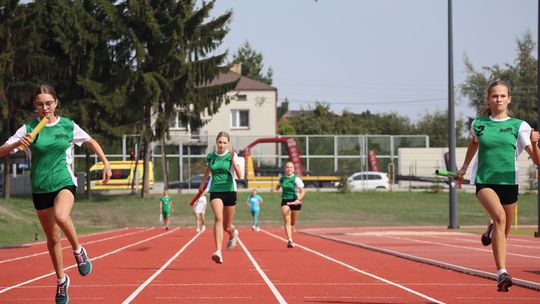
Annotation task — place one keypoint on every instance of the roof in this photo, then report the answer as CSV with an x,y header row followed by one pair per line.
x,y
244,84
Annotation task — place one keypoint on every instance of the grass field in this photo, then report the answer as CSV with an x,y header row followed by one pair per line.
x,y
19,224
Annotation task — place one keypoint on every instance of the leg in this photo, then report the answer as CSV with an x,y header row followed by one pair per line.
x,y
286,213
52,232
256,213
294,216
510,212
63,203
217,207
228,216
491,203
166,221
197,223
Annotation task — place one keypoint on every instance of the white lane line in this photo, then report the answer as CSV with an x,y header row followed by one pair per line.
x,y
93,259
160,270
66,247
360,271
263,275
461,247
82,236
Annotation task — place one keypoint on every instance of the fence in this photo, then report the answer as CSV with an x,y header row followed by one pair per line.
x,y
321,154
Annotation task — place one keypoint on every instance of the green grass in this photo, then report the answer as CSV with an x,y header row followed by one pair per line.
x,y
19,224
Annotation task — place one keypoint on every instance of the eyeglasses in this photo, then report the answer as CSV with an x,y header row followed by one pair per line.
x,y
42,105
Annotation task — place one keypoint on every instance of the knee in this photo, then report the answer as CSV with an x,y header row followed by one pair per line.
x,y
53,238
62,220
499,219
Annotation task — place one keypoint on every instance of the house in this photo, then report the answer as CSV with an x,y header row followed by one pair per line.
x,y
250,114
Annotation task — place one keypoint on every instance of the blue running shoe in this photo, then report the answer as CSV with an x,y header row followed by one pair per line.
x,y
83,262
62,292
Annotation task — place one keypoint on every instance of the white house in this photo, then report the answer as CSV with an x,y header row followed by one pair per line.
x,y
250,114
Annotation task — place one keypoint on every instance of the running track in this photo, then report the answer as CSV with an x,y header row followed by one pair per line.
x,y
329,265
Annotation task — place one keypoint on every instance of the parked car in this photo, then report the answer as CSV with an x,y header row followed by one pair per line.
x,y
368,180
193,183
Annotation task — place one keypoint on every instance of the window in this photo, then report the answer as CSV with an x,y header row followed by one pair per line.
x,y
242,97
240,119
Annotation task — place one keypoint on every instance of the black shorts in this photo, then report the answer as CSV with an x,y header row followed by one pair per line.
x,y
293,207
228,198
508,194
46,200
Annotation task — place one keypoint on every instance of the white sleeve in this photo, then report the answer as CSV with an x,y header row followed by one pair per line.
x,y
16,137
298,182
524,137
79,135
472,131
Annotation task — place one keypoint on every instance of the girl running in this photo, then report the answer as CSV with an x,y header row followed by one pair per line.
x,y
52,179
199,209
165,208
291,200
223,165
499,139
254,202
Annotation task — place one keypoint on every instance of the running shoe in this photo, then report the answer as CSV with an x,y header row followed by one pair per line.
x,y
83,262
290,244
203,228
216,257
253,227
504,281
257,229
232,241
62,296
198,229
486,236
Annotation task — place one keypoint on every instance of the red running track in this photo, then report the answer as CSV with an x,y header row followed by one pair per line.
x,y
150,265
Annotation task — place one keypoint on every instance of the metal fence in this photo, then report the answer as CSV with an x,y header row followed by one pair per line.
x,y
322,154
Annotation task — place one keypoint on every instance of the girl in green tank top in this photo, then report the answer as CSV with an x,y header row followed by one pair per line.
x,y
498,139
52,179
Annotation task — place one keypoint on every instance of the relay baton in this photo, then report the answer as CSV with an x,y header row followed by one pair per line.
x,y
446,173
196,197
294,203
36,130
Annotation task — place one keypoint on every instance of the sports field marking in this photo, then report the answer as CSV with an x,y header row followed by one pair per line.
x,y
359,270
69,246
405,233
81,236
160,270
93,259
263,275
454,267
462,247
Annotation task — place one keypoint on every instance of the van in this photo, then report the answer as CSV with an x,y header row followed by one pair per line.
x,y
122,175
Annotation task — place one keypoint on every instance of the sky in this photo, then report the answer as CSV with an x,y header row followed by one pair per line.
x,y
377,55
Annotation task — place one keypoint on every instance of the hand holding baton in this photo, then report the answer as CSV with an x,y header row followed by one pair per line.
x,y
196,197
36,130
446,173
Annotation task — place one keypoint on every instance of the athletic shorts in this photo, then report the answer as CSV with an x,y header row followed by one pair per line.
x,y
46,200
293,207
166,213
508,194
228,198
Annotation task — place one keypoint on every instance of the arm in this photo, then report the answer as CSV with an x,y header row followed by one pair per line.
x,y
236,167
20,138
94,146
471,151
532,149
301,194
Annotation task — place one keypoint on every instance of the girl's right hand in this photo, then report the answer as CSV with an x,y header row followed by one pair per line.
x,y
25,141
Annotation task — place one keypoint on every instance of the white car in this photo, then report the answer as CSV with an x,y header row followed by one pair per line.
x,y
368,181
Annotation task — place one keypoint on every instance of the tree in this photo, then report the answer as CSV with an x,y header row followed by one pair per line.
x,y
252,63
435,125
521,76
172,66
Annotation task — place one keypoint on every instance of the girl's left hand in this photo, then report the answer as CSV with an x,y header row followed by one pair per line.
x,y
535,136
107,173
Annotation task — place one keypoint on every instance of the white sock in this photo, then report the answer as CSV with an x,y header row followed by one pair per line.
x,y
501,271
61,281
78,250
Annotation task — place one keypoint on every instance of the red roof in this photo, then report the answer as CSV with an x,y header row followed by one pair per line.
x,y
244,84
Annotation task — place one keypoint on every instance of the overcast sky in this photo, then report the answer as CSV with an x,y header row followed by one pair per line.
x,y
376,55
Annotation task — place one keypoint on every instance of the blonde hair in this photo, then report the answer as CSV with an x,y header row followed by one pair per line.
x,y
486,111
223,134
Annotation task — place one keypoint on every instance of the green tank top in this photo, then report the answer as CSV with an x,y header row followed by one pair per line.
x,y
52,156
165,203
288,185
497,151
222,178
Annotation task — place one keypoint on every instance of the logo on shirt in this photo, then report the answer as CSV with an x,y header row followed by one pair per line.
x,y
506,130
479,130
61,137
